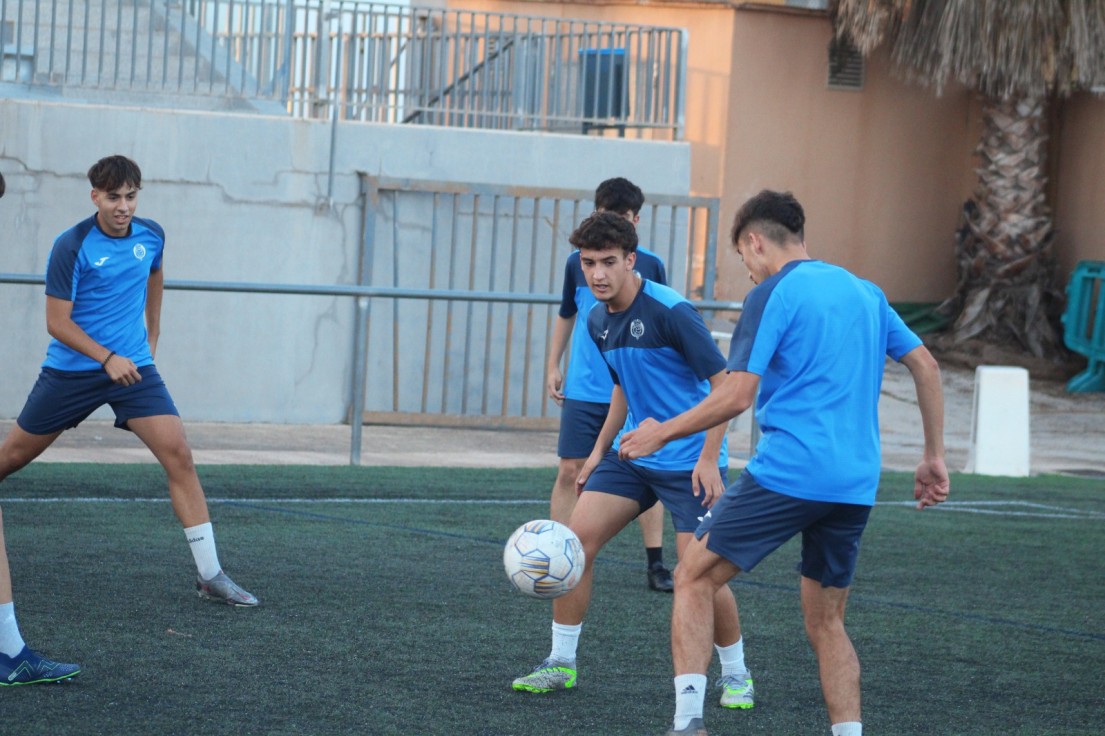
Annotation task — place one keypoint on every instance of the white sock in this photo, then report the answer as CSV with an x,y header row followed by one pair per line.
x,y
11,643
848,728
201,540
732,658
690,692
565,639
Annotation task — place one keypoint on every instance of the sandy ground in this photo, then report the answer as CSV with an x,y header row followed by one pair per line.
x,y
1067,435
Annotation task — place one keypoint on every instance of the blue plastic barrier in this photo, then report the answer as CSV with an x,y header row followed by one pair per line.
x,y
1084,324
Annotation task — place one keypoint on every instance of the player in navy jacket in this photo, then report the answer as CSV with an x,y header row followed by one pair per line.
x,y
584,395
663,361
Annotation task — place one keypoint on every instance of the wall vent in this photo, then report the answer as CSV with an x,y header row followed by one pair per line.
x,y
845,66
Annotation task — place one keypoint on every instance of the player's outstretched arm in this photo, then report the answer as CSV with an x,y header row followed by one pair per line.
x,y
615,420
155,290
734,395
931,483
558,343
706,477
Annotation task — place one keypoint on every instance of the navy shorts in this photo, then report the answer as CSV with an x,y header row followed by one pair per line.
x,y
647,486
750,522
580,424
63,399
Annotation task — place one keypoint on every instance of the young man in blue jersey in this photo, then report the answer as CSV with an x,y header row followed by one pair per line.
x,y
812,341
663,361
104,285
584,397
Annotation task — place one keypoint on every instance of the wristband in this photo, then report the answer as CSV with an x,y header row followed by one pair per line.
x,y
109,357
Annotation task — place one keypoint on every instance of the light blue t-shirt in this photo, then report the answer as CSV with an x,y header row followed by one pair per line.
x,y
106,279
662,355
588,377
818,338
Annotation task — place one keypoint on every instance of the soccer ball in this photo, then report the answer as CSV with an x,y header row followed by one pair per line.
x,y
543,559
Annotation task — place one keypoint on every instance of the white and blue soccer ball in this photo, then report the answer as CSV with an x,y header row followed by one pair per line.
x,y
543,559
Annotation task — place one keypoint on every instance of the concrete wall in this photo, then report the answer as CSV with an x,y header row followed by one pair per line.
x,y
882,171
244,198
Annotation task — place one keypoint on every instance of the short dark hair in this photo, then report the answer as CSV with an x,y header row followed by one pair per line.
x,y
619,195
112,172
776,214
605,231
1,185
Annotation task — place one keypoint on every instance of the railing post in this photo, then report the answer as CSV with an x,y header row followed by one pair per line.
x,y
680,88
360,371
369,197
286,61
709,266
321,77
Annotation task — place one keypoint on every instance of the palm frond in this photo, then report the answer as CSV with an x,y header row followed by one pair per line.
x,y
865,24
1001,48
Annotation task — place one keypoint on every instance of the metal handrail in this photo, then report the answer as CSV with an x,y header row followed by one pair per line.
x,y
363,294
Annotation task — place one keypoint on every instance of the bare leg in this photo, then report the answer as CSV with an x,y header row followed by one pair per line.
x,y
21,665
704,610
5,571
837,662
564,495
652,526
18,449
596,519
21,447
164,435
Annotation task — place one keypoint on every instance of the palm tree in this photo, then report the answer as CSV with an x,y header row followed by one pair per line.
x,y
1020,56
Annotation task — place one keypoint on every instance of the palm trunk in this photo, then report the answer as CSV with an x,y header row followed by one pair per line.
x,y
1007,293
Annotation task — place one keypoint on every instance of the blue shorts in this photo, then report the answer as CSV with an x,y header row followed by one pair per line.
x,y
63,399
647,486
750,522
580,424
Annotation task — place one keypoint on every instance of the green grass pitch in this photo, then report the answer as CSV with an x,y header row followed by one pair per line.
x,y
385,610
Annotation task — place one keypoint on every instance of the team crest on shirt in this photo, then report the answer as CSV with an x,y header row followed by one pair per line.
x,y
139,251
637,328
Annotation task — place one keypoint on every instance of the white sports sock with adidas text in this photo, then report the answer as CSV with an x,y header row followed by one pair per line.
x,y
565,640
690,692
732,658
848,728
11,643
201,540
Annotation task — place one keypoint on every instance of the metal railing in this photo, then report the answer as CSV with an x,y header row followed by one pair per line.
x,y
227,49
360,61
437,362
364,296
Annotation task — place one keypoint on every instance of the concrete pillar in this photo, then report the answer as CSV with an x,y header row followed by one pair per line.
x,y
999,422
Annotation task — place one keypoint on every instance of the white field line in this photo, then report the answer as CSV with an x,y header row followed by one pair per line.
x,y
435,501
993,508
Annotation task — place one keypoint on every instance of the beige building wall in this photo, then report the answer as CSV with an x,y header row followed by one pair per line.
x,y
883,172
1079,206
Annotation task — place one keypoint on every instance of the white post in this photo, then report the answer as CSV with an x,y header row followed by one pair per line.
x,y
999,422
